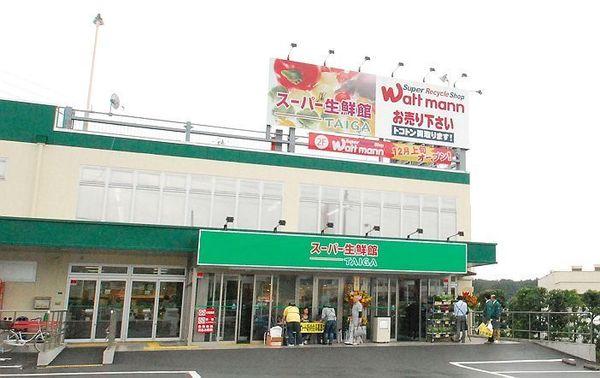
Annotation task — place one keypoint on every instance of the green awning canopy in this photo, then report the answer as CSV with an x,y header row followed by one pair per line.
x,y
83,235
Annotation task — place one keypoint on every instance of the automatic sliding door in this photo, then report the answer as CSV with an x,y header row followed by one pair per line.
x,y
80,309
141,309
169,309
111,297
229,308
245,316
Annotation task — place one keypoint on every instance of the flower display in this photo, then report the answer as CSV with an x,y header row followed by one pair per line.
x,y
470,299
365,298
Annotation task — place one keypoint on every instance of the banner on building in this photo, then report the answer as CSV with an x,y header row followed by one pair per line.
x,y
332,100
401,151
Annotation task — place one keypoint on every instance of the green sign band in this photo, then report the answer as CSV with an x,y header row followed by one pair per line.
x,y
313,252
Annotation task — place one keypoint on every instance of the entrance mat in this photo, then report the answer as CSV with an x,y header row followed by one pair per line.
x,y
79,356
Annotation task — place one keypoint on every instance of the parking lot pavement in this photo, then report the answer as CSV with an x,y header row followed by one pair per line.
x,y
439,360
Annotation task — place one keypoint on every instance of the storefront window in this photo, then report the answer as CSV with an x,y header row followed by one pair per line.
x,y
207,298
305,292
169,309
382,308
286,293
328,294
262,302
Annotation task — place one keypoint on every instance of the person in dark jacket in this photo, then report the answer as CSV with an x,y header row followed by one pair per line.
x,y
491,312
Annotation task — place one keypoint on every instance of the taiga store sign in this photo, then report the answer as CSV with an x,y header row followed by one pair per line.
x,y
332,100
275,251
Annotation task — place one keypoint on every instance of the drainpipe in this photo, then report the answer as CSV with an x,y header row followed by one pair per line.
x,y
36,179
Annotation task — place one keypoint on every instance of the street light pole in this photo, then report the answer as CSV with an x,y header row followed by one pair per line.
x,y
98,21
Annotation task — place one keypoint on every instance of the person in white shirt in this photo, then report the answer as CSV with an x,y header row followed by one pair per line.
x,y
460,312
357,310
328,317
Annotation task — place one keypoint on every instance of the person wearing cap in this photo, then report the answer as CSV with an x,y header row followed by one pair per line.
x,y
491,312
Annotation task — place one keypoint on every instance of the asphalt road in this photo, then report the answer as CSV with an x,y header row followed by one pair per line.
x,y
364,361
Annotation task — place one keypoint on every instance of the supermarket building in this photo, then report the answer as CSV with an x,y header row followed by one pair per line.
x,y
97,213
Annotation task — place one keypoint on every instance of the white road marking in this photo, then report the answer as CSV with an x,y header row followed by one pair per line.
x,y
11,367
509,361
548,372
505,374
190,373
458,364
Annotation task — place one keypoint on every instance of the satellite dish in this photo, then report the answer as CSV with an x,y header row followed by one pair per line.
x,y
114,101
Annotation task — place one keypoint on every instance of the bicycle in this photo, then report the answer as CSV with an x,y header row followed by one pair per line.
x,y
11,338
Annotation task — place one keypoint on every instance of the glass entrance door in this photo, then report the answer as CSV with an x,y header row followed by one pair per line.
x,y
229,308
170,299
141,310
80,309
245,308
408,310
110,297
328,295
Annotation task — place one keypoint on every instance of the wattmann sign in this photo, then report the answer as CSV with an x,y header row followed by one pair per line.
x,y
332,100
405,152
282,251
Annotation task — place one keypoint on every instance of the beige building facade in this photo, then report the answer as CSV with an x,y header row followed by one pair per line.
x,y
575,279
92,221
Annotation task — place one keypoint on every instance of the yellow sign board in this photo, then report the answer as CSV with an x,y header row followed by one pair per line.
x,y
312,327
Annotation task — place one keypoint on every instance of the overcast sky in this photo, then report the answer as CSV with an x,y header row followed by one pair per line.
x,y
534,136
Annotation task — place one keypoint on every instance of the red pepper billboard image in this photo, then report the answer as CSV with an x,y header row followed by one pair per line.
x,y
321,98
332,100
401,151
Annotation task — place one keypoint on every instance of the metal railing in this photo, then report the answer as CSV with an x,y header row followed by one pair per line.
x,y
50,322
294,141
576,327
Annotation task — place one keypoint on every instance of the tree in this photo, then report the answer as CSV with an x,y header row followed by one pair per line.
x,y
527,299
591,300
566,323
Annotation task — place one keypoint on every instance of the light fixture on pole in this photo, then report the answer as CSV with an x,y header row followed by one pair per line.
x,y
444,79
365,60
98,21
374,228
328,225
459,233
227,221
280,223
417,231
293,45
462,76
431,69
400,64
331,52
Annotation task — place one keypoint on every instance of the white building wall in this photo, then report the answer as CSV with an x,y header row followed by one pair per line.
x,y
53,192
571,280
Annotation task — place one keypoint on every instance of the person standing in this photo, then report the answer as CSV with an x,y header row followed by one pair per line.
x,y
305,318
291,317
491,313
329,318
460,312
357,310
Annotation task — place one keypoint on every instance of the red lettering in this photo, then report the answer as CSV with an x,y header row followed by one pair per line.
x,y
390,95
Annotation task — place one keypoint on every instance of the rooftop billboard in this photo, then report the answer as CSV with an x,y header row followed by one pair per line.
x,y
332,100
